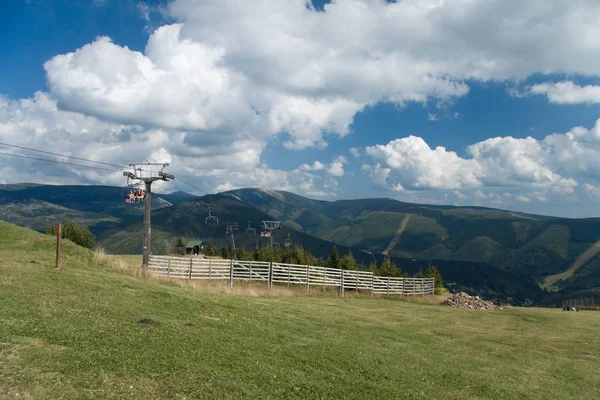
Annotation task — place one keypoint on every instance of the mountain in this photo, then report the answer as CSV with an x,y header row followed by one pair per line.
x,y
187,220
99,207
541,249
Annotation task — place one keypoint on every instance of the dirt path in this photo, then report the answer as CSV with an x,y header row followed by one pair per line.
x,y
396,237
551,280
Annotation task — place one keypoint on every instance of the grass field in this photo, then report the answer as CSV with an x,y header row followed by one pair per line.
x,y
75,333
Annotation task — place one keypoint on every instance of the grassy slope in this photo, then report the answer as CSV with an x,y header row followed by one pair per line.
x,y
74,333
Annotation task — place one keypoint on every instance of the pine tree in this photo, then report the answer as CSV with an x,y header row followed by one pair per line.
x,y
419,274
334,259
210,250
388,268
348,262
373,268
432,272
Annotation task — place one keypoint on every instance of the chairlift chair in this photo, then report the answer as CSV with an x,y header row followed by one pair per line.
x,y
211,220
288,241
249,230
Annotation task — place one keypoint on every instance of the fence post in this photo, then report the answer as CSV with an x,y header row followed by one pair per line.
x,y
324,277
342,285
58,237
307,278
169,269
288,280
372,284
270,275
356,281
231,273
250,273
209,271
191,260
388,286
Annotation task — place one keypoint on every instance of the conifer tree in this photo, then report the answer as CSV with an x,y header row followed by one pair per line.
x,y
334,259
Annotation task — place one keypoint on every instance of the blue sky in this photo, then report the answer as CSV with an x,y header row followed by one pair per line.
x,y
350,75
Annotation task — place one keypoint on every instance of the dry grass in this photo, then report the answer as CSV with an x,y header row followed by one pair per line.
x,y
130,265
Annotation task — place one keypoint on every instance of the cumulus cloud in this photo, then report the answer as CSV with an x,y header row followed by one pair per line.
x,y
316,166
432,117
210,91
355,152
557,163
567,92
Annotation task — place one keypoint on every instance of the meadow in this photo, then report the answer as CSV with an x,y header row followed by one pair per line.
x,y
100,329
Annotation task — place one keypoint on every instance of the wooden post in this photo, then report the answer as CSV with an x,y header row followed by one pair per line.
x,y
209,271
388,286
357,282
342,285
372,284
58,237
191,260
169,269
231,273
324,277
270,284
289,272
307,277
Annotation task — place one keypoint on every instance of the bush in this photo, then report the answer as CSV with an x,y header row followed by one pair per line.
x,y
76,233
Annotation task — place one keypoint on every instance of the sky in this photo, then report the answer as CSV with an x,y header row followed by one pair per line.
x,y
462,102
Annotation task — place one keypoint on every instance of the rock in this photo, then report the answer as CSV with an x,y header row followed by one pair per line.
x,y
463,300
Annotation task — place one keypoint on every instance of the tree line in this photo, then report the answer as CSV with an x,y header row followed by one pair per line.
x,y
299,255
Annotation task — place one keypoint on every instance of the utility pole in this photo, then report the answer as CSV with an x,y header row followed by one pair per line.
x,y
230,229
148,176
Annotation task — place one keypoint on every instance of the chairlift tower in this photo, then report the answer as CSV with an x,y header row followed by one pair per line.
x,y
148,173
268,227
231,228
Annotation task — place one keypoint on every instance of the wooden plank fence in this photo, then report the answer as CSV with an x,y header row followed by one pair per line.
x,y
286,274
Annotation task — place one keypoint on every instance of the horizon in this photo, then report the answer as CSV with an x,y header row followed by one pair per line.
x,y
480,104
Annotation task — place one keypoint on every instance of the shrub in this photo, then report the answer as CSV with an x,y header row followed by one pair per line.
x,y
76,233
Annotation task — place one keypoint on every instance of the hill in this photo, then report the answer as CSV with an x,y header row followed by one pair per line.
x,y
534,247
99,207
187,220
76,333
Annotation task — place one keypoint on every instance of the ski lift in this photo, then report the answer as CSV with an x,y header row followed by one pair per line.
x,y
211,220
250,231
288,241
132,193
265,234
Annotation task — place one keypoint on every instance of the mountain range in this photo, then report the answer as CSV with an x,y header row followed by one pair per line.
x,y
491,252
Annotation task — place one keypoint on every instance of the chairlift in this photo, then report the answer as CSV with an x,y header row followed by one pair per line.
x,y
132,193
249,230
211,220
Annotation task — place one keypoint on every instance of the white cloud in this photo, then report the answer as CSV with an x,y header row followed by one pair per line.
x,y
567,92
341,159
219,72
212,90
432,117
558,163
336,169
317,166
355,152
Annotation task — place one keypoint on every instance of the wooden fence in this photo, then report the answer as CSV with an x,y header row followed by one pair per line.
x,y
286,274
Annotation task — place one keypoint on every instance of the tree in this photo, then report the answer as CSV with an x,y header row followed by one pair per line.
x,y
388,268
334,259
225,252
180,246
348,262
432,272
210,250
76,233
373,268
419,274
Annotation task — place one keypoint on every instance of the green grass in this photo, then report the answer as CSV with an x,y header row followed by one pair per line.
x,y
74,333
